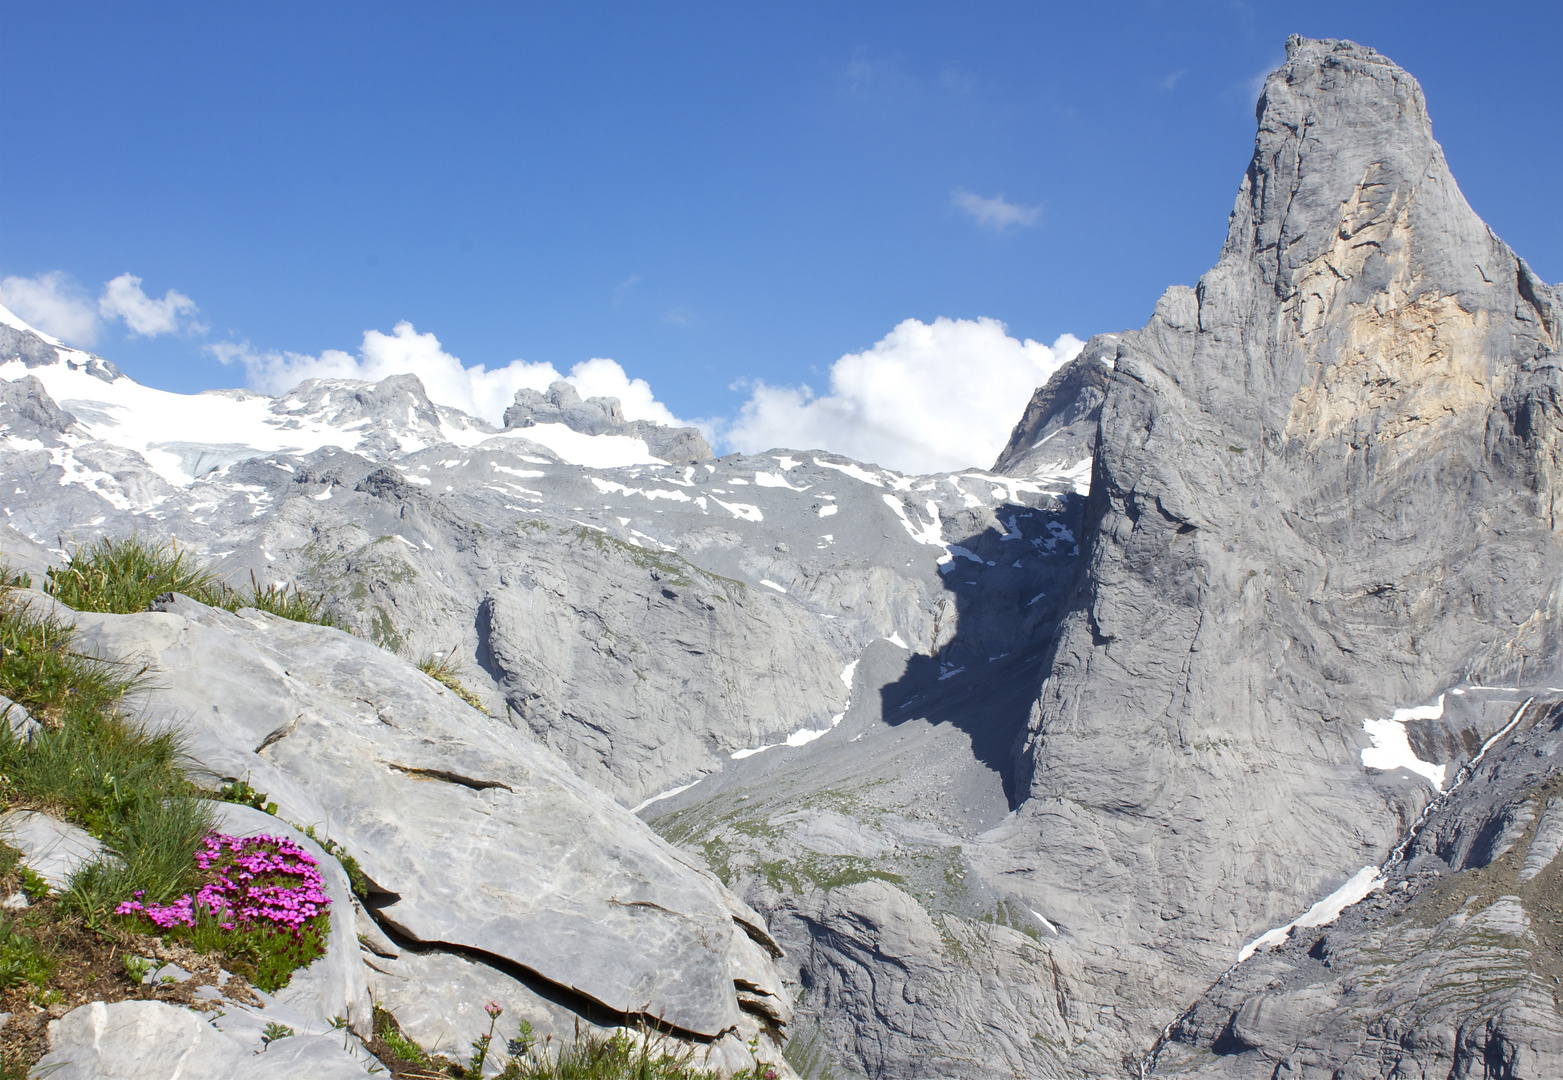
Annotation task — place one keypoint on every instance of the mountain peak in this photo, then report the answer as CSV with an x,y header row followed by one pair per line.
x,y
562,404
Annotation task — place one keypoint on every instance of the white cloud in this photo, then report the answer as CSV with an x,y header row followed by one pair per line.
x,y
474,390
123,299
54,303
996,213
926,398
605,378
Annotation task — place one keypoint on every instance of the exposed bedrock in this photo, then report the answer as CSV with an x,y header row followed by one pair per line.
x,y
1323,489
1450,968
476,839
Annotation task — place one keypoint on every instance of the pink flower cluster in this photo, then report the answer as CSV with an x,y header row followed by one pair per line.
x,y
255,880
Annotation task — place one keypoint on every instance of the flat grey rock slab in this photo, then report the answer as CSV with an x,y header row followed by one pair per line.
x,y
474,835
150,1040
1544,846
51,848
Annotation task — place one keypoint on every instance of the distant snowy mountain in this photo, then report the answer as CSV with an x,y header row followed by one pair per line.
x,y
138,451
184,437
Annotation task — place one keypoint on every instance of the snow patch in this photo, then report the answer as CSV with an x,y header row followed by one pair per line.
x,y
668,794
574,448
857,472
1391,748
525,474
741,511
931,533
776,480
847,673
1323,913
611,487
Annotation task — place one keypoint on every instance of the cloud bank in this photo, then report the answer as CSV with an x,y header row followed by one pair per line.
x,y
928,397
925,398
55,304
475,390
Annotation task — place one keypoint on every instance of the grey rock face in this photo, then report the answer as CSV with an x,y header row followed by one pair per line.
x,y
604,416
1547,843
27,399
34,350
1058,427
1450,969
150,1040
1322,491
475,837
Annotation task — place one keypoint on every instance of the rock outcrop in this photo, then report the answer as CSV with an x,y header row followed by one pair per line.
x,y
1058,429
150,1040
1450,968
1322,490
604,416
476,839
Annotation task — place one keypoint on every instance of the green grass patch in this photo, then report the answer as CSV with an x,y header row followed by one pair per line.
x,y
642,1056
621,1055
92,766
40,672
240,792
266,957
22,959
151,852
124,576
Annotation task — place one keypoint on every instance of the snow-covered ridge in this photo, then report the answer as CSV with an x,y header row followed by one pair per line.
x,y
183,437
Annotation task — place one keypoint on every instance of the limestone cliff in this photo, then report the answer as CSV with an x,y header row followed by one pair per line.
x,y
1323,488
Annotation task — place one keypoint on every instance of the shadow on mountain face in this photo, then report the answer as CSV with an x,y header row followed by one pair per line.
x,y
1007,589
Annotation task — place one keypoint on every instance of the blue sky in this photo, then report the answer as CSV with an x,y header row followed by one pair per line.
x,y
709,194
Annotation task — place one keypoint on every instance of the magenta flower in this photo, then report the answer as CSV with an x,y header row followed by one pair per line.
x,y
255,881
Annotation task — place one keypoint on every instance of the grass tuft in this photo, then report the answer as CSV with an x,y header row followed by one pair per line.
x,y
21,958
151,851
125,576
622,1055
440,668
91,765
40,672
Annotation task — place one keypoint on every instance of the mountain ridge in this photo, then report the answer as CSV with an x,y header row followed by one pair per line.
x,y
1030,771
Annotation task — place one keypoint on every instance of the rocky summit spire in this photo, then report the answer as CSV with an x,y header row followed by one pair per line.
x,y
1303,468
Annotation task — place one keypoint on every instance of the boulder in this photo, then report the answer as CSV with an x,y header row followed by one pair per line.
x,y
150,1040
51,848
474,837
